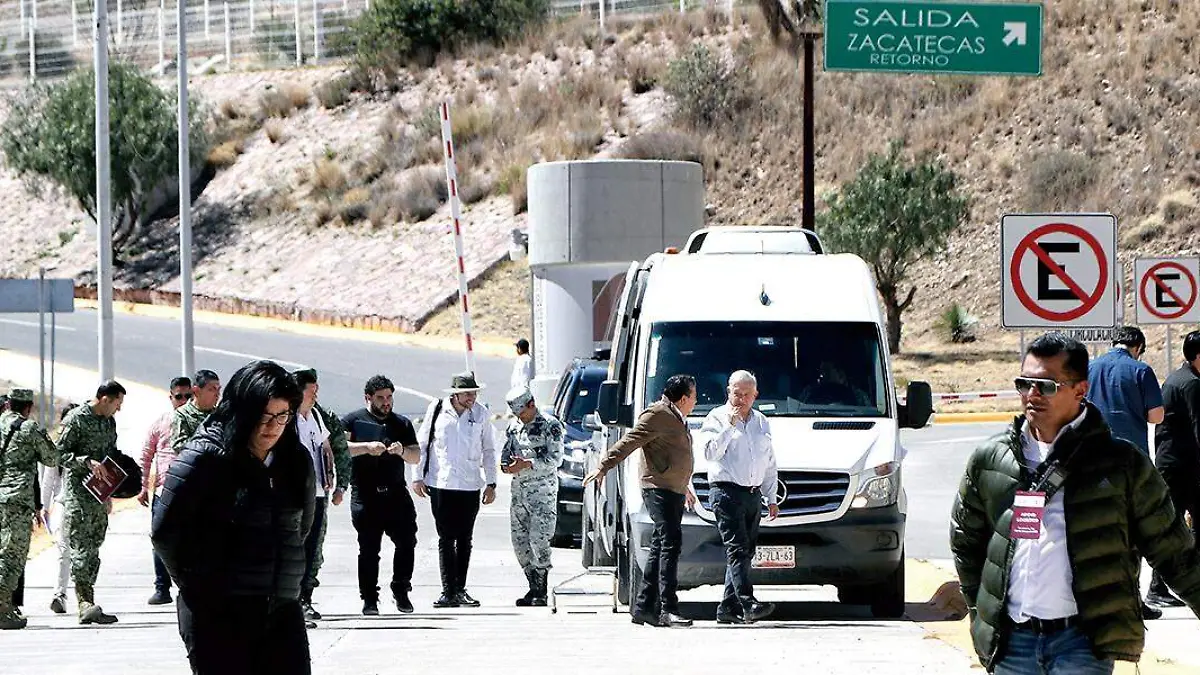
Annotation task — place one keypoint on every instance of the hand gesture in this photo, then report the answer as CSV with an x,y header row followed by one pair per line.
x,y
519,464
337,497
144,497
489,495
100,470
419,490
772,511
596,477
689,500
375,448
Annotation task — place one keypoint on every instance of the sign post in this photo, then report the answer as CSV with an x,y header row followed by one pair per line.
x,y
41,295
1166,293
933,37
1057,271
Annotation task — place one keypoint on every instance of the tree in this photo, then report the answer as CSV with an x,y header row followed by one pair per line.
x,y
891,215
49,139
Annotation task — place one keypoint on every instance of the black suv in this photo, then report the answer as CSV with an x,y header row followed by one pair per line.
x,y
575,397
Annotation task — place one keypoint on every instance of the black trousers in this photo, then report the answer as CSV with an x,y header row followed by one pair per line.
x,y
738,510
454,513
243,635
660,581
1185,495
374,514
162,578
311,543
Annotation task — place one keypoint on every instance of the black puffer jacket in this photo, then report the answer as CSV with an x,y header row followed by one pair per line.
x,y
228,525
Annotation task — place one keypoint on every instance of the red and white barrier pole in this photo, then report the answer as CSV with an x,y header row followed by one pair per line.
x,y
456,220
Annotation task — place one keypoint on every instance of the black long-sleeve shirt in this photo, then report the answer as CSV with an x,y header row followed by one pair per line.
x,y
1177,439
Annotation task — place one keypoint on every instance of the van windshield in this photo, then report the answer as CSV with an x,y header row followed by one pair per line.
x,y
584,402
804,369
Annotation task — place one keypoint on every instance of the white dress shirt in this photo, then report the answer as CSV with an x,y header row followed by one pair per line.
x,y
463,456
740,453
312,436
522,372
1040,580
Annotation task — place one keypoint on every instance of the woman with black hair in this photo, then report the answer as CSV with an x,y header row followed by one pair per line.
x,y
230,528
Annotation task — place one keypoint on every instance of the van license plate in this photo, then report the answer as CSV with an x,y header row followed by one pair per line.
x,y
774,557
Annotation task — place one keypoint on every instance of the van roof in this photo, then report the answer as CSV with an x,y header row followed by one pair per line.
x,y
728,288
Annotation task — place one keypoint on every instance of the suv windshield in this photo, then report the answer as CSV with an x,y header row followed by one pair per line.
x,y
804,369
584,400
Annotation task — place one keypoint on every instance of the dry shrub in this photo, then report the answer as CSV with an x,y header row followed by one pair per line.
x,y
1147,230
334,93
230,109
429,152
1178,207
534,106
474,187
298,94
421,192
322,212
355,205
470,124
664,145
328,176
1059,181
225,154
513,182
275,103
274,131
643,73
1122,114
591,90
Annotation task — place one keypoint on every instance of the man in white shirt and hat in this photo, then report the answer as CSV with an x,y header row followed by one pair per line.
x,y
457,463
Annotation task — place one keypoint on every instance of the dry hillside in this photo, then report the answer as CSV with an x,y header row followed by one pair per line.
x,y
325,205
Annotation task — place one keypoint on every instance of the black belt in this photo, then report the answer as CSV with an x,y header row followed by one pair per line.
x,y
1047,626
724,485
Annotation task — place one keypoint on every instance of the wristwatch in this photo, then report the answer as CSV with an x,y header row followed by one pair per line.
x,y
492,485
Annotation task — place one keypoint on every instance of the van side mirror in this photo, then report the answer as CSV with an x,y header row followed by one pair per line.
x,y
918,406
608,402
591,422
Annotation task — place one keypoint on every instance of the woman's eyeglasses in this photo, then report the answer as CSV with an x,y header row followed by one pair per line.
x,y
182,397
1044,387
278,419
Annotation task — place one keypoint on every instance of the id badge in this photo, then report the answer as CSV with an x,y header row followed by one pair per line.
x,y
1027,515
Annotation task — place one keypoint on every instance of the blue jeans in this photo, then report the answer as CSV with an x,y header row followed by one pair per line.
x,y
1066,653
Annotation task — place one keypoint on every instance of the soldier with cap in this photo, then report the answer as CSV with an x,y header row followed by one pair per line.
x,y
533,450
89,435
23,443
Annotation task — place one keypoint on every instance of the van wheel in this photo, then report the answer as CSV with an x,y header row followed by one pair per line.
x,y
888,597
853,595
630,573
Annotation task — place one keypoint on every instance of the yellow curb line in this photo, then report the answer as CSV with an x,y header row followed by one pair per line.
x,y
973,418
483,347
922,580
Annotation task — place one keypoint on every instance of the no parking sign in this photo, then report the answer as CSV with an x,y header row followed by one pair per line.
x,y
1166,290
1058,270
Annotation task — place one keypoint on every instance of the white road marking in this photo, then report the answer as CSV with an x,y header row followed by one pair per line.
x,y
293,364
34,324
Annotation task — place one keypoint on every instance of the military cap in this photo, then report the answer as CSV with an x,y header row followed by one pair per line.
x,y
21,396
518,398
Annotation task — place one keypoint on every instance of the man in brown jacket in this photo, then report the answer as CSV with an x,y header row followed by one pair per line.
x,y
662,434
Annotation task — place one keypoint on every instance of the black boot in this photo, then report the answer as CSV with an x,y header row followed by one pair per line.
x,y
527,599
541,576
449,586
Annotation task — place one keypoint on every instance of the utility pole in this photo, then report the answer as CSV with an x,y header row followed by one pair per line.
x,y
810,31
187,337
104,276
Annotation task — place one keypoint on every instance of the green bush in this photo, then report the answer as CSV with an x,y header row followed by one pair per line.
x,y
957,324
397,32
708,91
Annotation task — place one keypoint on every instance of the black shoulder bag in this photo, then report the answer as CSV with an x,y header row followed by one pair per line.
x,y
437,410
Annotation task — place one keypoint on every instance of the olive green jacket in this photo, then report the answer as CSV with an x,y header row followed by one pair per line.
x,y
1114,502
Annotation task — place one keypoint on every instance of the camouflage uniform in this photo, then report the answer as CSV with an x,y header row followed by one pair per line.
x,y
534,493
341,462
85,436
27,444
188,419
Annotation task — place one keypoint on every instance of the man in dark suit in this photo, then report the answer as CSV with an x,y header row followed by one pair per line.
x,y
662,435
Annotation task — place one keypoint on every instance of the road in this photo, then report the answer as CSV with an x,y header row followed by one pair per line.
x,y
147,350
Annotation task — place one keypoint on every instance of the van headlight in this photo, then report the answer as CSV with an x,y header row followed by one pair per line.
x,y
877,487
574,458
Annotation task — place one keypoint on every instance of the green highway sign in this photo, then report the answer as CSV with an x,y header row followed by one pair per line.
x,y
933,37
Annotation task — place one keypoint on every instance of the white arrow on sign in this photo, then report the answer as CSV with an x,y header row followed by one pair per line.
x,y
1015,31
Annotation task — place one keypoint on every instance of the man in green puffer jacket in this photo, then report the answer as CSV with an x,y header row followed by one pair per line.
x,y
1054,589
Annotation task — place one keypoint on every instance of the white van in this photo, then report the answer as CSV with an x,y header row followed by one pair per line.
x,y
811,329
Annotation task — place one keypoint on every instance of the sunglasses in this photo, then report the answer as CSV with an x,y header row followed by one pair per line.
x,y
1044,387
182,397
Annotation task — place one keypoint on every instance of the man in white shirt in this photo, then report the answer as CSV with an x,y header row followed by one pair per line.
x,y
314,436
522,372
741,474
457,461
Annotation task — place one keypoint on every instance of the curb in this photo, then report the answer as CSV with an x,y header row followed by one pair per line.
x,y
973,418
483,347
